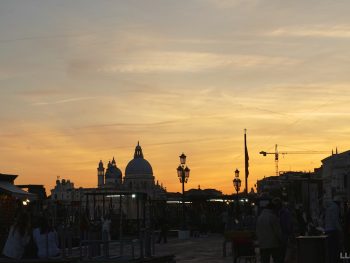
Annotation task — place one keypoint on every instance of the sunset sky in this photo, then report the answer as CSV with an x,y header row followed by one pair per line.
x,y
85,80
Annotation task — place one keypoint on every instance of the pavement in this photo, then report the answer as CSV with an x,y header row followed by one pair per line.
x,y
203,249
208,249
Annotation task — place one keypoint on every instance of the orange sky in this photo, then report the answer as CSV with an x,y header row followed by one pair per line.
x,y
81,81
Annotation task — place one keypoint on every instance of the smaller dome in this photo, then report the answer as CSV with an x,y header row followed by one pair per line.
x,y
113,172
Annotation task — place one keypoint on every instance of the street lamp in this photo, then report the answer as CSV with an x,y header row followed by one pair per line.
x,y
237,185
183,173
182,159
237,181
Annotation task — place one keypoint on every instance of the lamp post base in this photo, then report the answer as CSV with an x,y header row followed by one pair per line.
x,y
184,234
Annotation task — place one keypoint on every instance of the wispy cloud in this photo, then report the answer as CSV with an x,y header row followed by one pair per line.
x,y
337,31
62,101
149,62
230,3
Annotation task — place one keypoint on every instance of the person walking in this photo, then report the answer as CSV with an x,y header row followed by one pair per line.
x,y
269,234
287,229
203,225
346,230
163,224
333,228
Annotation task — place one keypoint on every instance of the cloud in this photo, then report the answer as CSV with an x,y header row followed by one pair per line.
x,y
337,31
230,3
41,92
63,101
153,61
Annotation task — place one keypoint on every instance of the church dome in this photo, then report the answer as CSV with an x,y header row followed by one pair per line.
x,y
113,172
138,166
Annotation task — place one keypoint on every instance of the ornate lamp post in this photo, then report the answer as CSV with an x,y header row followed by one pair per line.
x,y
183,173
237,181
237,185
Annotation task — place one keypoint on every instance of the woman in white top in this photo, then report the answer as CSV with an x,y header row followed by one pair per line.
x,y
46,240
18,237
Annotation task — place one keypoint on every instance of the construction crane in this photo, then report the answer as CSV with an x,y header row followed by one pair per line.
x,y
277,153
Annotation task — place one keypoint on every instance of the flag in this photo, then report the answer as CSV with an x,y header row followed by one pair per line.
x,y
246,156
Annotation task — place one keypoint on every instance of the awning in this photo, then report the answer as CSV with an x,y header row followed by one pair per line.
x,y
9,188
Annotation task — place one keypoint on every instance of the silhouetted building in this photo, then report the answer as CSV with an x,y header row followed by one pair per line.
x,y
112,178
335,174
195,194
64,191
37,189
203,193
8,187
138,176
298,188
135,188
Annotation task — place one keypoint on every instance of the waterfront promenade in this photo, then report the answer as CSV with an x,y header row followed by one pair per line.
x,y
202,249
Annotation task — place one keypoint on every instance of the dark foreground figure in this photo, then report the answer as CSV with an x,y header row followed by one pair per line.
x,y
269,234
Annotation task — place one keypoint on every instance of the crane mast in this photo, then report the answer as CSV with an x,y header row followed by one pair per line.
x,y
276,153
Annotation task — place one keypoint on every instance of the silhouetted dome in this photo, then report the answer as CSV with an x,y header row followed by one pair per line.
x,y
113,171
138,166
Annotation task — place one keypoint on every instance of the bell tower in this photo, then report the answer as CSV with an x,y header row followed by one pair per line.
x,y
100,175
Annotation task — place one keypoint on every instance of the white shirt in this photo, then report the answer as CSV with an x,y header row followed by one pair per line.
x,y
15,244
46,243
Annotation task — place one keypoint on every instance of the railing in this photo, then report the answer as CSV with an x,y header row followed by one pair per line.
x,y
94,245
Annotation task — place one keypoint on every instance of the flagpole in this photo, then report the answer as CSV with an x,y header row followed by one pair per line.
x,y
246,161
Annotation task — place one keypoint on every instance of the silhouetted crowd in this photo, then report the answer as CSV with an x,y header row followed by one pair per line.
x,y
278,225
